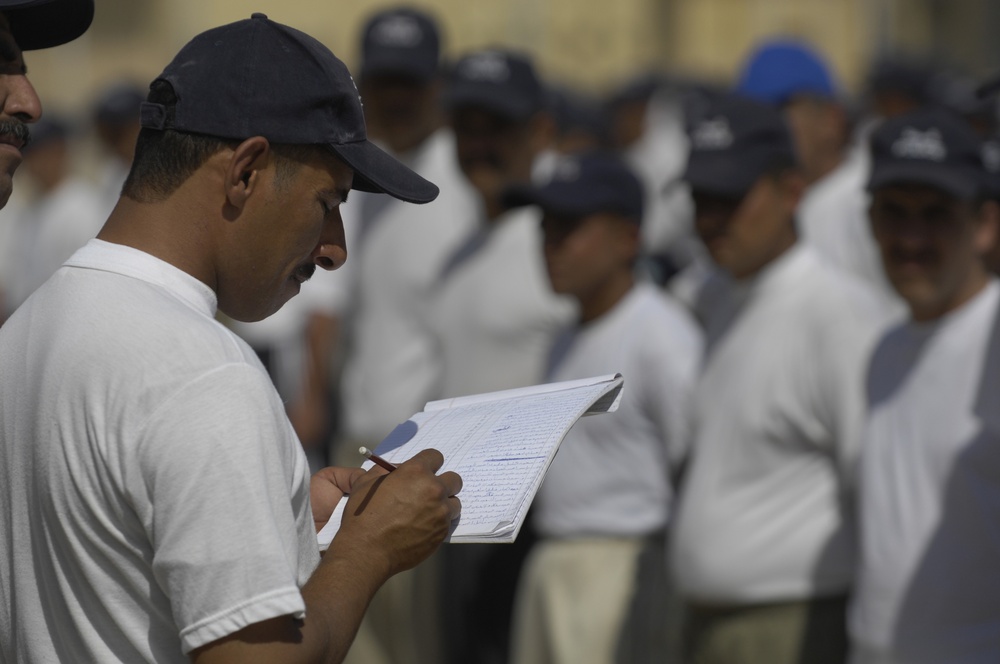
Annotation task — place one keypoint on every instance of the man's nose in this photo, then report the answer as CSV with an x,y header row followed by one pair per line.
x,y
19,98
331,252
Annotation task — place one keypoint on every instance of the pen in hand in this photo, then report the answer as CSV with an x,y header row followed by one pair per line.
x,y
376,459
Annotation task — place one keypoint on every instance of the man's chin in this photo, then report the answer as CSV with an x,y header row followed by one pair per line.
x,y
6,187
258,314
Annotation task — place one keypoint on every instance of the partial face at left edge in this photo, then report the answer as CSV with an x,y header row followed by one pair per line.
x,y
19,104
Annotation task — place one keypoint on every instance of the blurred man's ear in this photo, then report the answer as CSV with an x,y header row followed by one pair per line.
x,y
542,128
988,230
791,184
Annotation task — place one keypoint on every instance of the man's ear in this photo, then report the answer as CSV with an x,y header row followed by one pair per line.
x,y
243,169
792,185
542,127
988,231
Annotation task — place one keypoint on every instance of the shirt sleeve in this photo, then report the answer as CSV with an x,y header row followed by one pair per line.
x,y
668,372
225,501
844,357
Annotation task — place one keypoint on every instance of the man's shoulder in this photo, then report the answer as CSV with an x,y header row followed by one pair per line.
x,y
654,312
134,322
826,290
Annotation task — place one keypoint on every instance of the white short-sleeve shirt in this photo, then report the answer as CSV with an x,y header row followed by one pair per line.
x,y
153,496
390,369
765,513
611,476
928,590
495,316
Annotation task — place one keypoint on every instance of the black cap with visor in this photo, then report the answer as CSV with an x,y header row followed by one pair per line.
x,y
37,24
256,77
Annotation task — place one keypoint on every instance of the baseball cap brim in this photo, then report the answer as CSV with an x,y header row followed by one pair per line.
x,y
958,183
401,63
725,175
378,172
490,97
37,24
555,200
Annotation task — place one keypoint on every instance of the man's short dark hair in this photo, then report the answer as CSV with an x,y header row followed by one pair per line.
x,y
164,159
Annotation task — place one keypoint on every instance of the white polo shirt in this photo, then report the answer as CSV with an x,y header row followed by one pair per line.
x,y
390,369
928,591
495,316
45,232
611,476
153,495
833,218
765,511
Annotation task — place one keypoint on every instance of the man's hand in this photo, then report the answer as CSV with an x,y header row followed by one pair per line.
x,y
327,487
400,518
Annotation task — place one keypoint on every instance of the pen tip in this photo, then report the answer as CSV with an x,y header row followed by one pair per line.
x,y
363,450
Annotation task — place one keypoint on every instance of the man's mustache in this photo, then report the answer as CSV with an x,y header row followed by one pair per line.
x,y
15,131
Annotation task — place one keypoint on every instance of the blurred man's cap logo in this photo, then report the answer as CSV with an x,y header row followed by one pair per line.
x,y
916,144
991,156
488,66
566,170
398,32
713,134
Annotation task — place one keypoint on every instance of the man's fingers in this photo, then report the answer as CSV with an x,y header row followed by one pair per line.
x,y
430,459
455,506
452,482
342,478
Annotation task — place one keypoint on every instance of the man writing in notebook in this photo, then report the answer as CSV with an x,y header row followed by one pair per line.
x,y
155,504
607,495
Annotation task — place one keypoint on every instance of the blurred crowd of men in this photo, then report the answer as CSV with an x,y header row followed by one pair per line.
x,y
797,284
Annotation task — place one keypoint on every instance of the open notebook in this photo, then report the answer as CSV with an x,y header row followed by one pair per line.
x,y
501,443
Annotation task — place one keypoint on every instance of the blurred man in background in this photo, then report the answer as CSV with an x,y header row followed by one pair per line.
x,y
831,216
59,213
494,315
115,118
764,541
928,590
397,253
594,589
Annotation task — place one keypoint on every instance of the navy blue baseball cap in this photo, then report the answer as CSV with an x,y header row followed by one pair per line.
x,y
779,70
733,143
260,78
401,41
582,185
118,104
499,81
931,147
39,24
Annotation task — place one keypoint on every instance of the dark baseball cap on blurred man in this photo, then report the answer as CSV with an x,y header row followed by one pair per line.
x,y
735,142
401,41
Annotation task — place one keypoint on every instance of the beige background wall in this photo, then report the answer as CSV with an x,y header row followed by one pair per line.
x,y
594,44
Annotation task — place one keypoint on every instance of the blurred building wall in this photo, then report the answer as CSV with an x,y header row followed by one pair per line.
x,y
595,44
